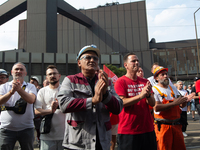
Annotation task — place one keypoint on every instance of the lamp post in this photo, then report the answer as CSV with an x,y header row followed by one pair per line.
x,y
197,39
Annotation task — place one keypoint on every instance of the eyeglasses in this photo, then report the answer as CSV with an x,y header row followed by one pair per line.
x,y
2,78
53,73
87,57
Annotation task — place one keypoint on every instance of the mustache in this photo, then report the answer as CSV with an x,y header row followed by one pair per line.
x,y
17,73
53,78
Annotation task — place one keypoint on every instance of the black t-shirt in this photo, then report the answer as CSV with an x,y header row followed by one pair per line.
x,y
196,99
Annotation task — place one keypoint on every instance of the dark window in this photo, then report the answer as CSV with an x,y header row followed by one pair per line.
x,y
36,69
73,69
61,68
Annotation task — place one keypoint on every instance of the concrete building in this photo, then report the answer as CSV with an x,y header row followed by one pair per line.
x,y
50,38
180,57
55,31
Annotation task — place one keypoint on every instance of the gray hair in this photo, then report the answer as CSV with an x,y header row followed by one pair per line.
x,y
179,81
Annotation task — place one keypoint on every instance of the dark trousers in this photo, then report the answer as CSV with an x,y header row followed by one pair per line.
x,y
197,105
8,139
145,141
183,120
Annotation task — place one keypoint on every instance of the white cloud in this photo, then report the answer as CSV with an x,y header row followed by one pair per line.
x,y
172,23
153,4
170,16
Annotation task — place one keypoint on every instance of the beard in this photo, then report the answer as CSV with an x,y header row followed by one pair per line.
x,y
17,77
164,82
53,82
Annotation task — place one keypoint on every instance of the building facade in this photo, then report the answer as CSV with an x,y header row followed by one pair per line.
x,y
180,57
36,63
115,29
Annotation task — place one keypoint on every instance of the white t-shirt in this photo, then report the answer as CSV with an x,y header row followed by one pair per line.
x,y
9,119
167,92
183,92
44,99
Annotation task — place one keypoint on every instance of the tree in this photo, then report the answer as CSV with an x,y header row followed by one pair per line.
x,y
118,71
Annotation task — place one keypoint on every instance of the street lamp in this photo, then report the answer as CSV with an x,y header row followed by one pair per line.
x,y
197,39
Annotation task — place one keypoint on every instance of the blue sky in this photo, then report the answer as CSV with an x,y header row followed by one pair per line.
x,y
168,20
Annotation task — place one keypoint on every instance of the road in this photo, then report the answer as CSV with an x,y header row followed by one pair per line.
x,y
192,142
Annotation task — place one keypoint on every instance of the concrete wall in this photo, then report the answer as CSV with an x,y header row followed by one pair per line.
x,y
36,63
116,29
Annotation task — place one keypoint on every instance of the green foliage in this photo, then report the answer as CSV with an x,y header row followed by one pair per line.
x,y
118,71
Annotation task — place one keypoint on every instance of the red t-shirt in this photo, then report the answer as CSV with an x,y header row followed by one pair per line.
x,y
134,119
197,86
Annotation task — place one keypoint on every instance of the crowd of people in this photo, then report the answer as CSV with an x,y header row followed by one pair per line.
x,y
75,114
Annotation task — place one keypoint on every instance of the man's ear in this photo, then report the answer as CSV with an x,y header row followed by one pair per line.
x,y
79,63
125,64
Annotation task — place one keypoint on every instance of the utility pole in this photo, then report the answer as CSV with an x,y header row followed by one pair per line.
x,y
197,40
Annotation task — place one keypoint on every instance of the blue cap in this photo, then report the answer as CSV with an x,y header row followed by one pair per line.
x,y
88,48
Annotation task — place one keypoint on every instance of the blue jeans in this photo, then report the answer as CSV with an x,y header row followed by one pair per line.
x,y
51,145
8,139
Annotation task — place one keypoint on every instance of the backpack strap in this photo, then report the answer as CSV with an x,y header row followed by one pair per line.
x,y
172,92
161,94
24,87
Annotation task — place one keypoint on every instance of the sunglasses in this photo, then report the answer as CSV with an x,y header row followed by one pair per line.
x,y
87,57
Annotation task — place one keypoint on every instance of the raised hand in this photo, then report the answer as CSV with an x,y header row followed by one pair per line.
x,y
189,97
98,92
103,76
54,105
16,86
146,90
180,100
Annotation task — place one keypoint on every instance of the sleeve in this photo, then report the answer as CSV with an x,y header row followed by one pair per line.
x,y
120,87
113,102
32,89
157,96
39,100
67,101
2,89
197,86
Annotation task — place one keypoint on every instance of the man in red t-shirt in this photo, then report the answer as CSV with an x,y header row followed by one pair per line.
x,y
197,97
135,129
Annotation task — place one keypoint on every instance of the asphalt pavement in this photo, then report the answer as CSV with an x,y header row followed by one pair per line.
x,y
192,141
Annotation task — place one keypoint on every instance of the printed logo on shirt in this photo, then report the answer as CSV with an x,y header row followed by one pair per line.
x,y
134,90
